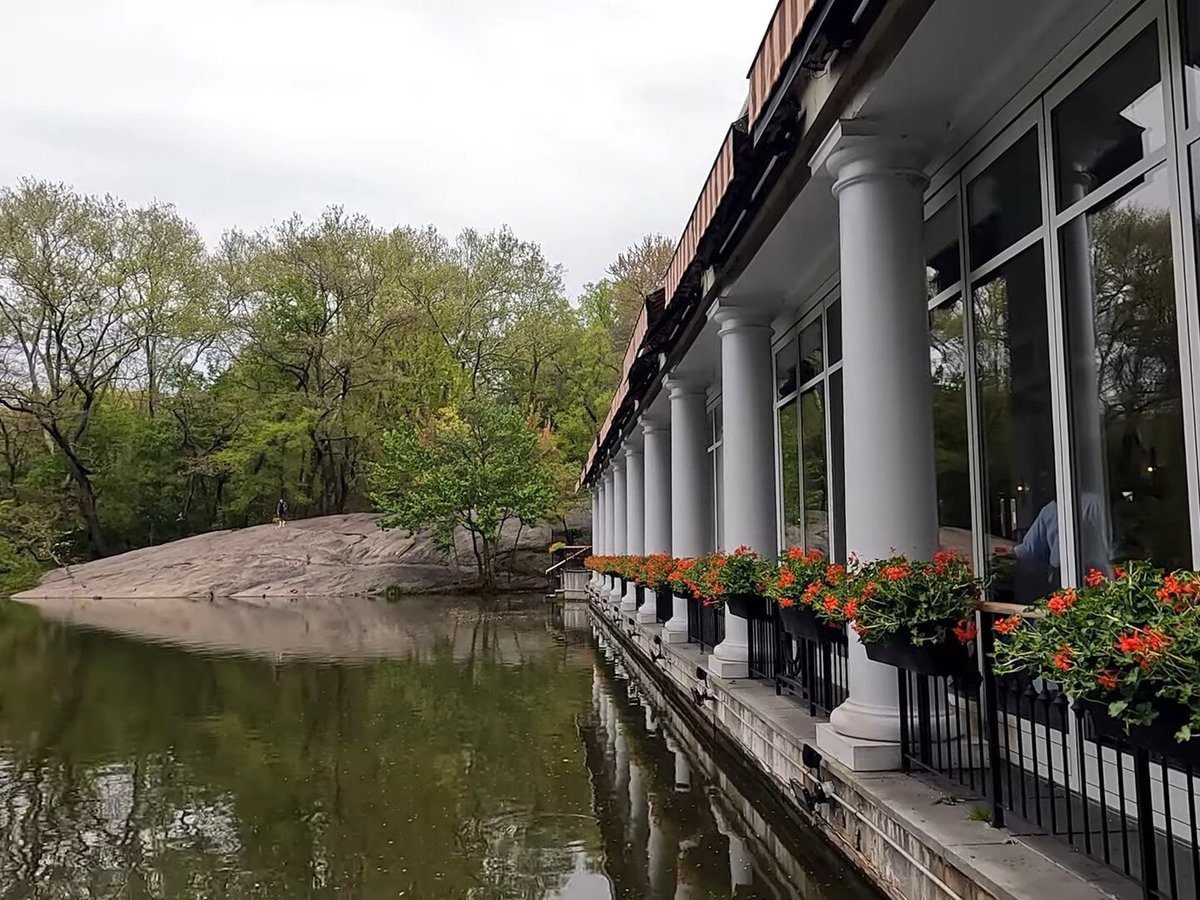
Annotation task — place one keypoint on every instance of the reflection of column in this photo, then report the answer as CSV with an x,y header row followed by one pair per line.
x,y
651,721
657,456
659,857
691,487
741,868
891,497
622,758
611,724
683,769
635,515
1092,508
685,889
748,465
619,521
639,814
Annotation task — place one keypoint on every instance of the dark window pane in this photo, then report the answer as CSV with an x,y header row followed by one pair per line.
x,y
714,424
1189,14
812,452
1004,202
837,467
789,469
943,266
1111,121
1013,372
1123,358
786,362
948,365
811,354
833,331
718,461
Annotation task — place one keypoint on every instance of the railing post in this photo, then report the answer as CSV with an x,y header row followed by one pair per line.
x,y
991,702
905,718
1145,823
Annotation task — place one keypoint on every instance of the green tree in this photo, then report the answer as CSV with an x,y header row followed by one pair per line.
x,y
476,467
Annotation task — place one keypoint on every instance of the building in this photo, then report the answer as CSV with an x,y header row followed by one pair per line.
x,y
939,290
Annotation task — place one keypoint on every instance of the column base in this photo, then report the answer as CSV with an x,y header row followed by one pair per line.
x,y
858,754
854,719
615,595
675,632
629,601
647,613
727,668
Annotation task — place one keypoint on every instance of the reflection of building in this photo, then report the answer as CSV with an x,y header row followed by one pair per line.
x,y
1010,228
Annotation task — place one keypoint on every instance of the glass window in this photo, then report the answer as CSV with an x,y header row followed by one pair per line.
x,y
837,469
1189,15
714,424
812,452
1123,364
1111,121
948,366
811,354
719,497
943,265
1013,372
789,470
833,331
1004,202
786,362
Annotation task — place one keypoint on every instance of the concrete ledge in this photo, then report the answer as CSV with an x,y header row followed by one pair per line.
x,y
858,754
915,840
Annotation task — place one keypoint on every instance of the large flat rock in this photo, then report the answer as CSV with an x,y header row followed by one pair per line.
x,y
330,555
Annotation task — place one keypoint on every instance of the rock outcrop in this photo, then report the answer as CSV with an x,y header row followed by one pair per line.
x,y
330,555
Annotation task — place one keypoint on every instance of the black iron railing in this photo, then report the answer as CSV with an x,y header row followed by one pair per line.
x,y
814,672
1022,745
664,606
706,624
762,642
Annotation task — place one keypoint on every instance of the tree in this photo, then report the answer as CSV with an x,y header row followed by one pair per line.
x,y
476,467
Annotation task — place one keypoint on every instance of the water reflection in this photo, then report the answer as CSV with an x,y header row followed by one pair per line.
x,y
493,755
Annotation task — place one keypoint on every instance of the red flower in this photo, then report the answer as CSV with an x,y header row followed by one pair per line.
x,y
1107,679
1118,572
1062,659
786,602
965,631
1094,578
851,608
831,603
1009,625
895,573
1060,602
786,578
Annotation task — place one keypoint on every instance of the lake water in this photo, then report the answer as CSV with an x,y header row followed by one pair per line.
x,y
446,748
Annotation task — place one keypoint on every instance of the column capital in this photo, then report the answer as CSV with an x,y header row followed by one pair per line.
x,y
857,150
655,425
683,385
732,318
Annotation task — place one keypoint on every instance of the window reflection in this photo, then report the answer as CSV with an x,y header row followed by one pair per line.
x,y
838,464
1004,202
811,354
789,469
948,366
1111,121
943,266
1189,16
833,331
786,361
1013,374
1123,358
812,436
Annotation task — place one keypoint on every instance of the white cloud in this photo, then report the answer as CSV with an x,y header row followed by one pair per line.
x,y
582,125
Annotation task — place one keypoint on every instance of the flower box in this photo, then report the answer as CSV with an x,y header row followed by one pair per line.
x,y
1158,737
754,607
948,657
801,622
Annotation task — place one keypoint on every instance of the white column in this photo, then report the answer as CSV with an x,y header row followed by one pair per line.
x,y
748,466
635,512
891,495
691,487
597,530
657,461
619,521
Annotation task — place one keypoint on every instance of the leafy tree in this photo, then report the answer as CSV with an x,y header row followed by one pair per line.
x,y
476,467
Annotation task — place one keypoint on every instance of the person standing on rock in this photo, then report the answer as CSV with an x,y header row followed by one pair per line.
x,y
281,511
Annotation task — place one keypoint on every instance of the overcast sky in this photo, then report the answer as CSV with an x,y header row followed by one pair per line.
x,y
583,124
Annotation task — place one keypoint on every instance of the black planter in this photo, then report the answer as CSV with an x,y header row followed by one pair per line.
x,y
801,622
948,657
749,606
1158,737
640,593
664,604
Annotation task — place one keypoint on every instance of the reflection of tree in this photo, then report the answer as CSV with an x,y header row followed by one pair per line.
x,y
1137,360
812,440
131,769
948,365
789,464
